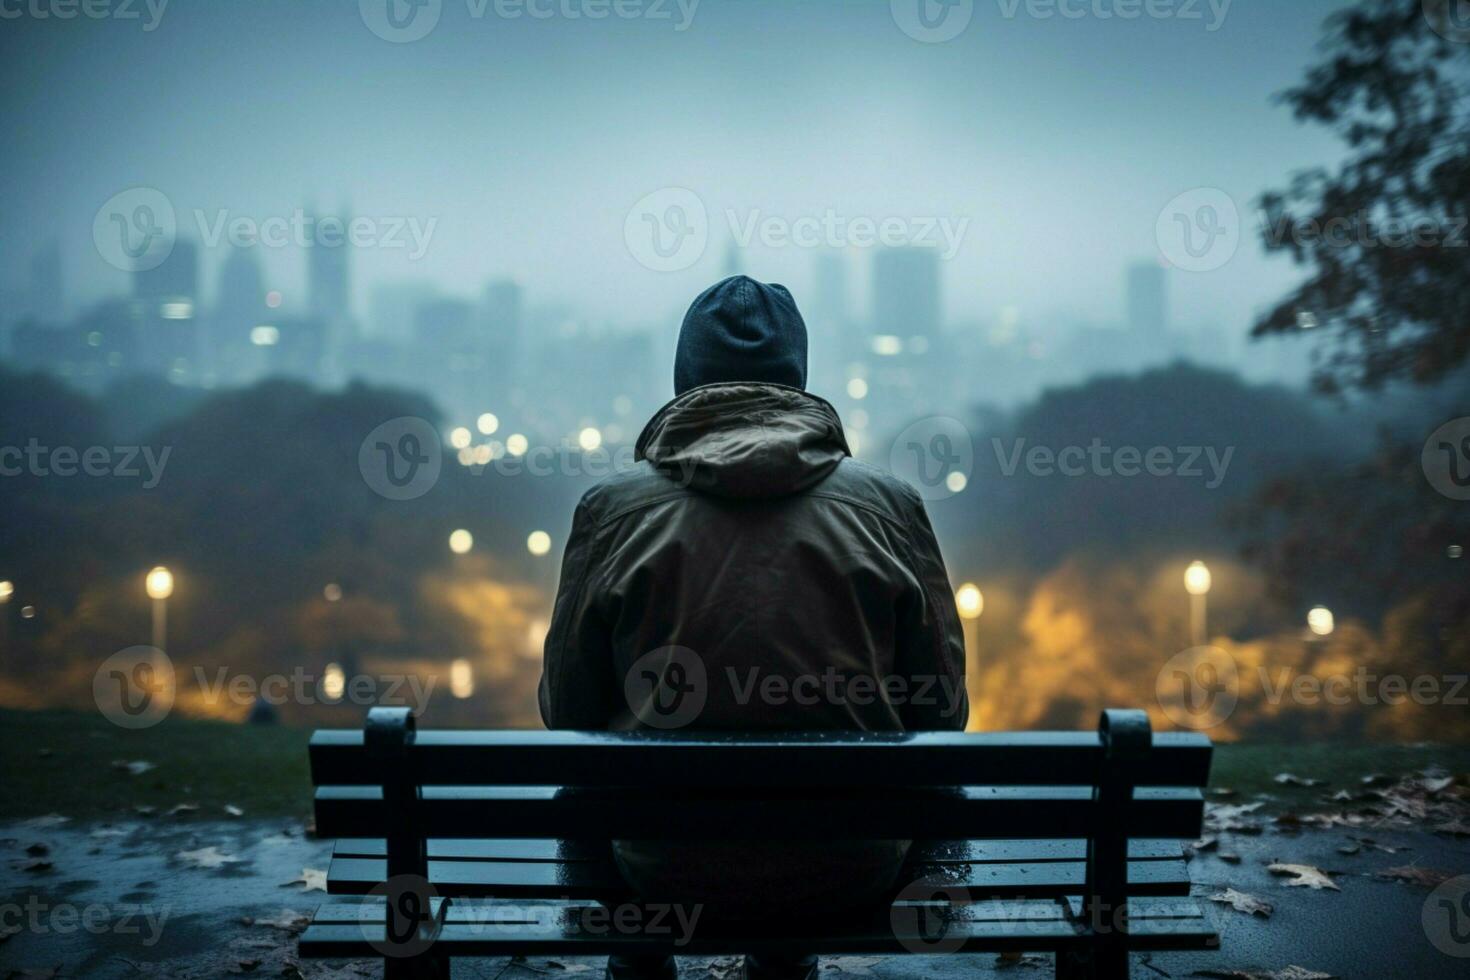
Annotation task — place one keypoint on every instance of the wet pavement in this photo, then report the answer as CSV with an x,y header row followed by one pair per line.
x,y
175,896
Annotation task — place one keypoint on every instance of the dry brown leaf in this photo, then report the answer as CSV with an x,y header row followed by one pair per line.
x,y
1304,876
1242,902
311,880
1414,875
207,857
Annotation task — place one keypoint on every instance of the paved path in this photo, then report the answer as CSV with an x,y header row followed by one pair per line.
x,y
118,901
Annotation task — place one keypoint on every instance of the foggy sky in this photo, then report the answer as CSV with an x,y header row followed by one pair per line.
x,y
529,139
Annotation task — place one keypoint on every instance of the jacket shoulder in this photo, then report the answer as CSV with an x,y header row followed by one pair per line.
x,y
866,485
629,489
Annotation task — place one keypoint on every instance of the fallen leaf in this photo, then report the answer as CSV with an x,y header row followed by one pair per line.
x,y
312,880
1242,902
568,967
285,920
144,811
1414,875
49,820
1011,961
245,966
858,966
1304,876
37,850
1455,828
1290,973
207,857
1436,786
1287,779
184,809
1229,857
233,811
1205,844
1375,779
135,768
37,865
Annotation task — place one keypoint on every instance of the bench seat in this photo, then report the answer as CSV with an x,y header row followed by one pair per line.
x,y
577,869
550,927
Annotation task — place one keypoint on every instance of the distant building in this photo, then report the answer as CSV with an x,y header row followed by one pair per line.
x,y
503,315
239,308
906,300
393,306
1148,301
168,326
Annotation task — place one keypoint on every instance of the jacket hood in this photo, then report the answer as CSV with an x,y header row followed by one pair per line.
x,y
741,330
745,440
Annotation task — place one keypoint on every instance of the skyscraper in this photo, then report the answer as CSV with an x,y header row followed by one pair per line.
x,y
168,298
327,269
906,299
1148,302
502,338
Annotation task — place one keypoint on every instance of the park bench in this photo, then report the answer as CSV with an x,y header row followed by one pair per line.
x,y
494,843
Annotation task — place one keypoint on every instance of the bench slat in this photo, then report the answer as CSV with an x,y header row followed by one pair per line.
x,y
655,760
930,852
478,878
344,930
1008,812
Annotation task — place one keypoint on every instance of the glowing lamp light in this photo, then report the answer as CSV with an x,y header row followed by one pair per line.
x,y
265,336
273,299
589,439
332,592
538,543
1197,578
7,589
517,444
956,482
487,424
159,583
857,389
1321,621
970,600
461,541
334,682
461,678
460,438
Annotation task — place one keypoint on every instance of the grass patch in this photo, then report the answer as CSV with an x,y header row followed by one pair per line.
x,y
61,762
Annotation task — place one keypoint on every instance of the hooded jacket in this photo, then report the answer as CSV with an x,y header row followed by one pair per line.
x,y
747,544
748,574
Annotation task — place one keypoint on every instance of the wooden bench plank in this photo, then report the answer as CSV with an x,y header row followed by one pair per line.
x,y
1055,812
565,929
655,760
929,852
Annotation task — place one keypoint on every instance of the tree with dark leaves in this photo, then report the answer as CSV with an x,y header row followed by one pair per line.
x,y
1386,236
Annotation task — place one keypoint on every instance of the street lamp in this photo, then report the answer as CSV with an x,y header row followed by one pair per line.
x,y
461,541
1197,584
538,543
1321,621
970,602
160,585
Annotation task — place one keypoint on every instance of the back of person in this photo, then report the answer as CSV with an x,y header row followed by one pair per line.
x,y
747,574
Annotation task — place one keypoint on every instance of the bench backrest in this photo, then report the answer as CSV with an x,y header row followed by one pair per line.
x,y
390,780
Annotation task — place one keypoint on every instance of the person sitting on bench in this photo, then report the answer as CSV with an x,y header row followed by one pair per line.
x,y
745,545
